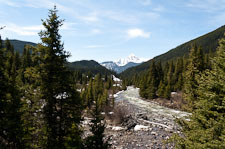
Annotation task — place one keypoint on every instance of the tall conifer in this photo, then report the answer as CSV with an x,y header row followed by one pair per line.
x,y
62,109
206,128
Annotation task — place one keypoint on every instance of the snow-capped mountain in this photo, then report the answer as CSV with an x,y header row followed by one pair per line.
x,y
123,63
130,58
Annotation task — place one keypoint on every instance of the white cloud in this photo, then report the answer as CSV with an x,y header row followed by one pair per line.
x,y
23,30
31,30
136,32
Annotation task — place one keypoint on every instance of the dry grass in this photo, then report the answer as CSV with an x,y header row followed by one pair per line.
x,y
175,102
116,115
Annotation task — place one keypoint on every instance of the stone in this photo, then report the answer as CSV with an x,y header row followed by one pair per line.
x,y
153,133
141,127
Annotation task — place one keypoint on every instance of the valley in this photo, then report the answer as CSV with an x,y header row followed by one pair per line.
x,y
176,99
144,124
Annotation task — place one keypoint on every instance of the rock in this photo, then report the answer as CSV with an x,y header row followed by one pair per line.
x,y
111,113
169,130
129,122
153,133
141,127
117,128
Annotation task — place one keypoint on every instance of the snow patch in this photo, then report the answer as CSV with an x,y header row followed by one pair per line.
x,y
141,127
117,128
115,95
116,79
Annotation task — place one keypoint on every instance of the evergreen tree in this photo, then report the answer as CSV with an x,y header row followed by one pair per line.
x,y
3,99
105,98
96,141
33,122
193,69
89,95
62,109
124,85
161,89
26,61
11,131
152,81
1,46
97,86
169,80
165,72
177,77
159,72
143,88
206,128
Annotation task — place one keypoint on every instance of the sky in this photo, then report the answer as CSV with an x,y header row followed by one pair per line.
x,y
105,30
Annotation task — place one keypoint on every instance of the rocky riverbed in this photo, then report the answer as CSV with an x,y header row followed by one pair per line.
x,y
143,124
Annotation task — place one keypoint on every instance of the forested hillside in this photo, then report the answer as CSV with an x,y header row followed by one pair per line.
x,y
19,45
83,66
207,42
91,66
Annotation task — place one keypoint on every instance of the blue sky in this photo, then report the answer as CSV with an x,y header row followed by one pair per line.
x,y
110,29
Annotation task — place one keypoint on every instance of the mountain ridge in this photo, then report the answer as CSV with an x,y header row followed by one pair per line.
x,y
82,66
19,44
208,42
122,64
86,66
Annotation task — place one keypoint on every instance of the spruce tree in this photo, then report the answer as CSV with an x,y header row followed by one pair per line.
x,y
96,140
161,89
169,80
62,109
3,99
193,69
143,87
206,128
177,77
1,46
152,81
11,130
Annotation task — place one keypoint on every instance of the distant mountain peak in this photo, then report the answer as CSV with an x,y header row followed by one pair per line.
x,y
130,58
124,63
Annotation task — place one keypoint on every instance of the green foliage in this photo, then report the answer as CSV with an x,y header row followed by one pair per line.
x,y
39,104
97,86
208,42
150,82
11,130
195,66
92,66
63,105
177,75
19,45
96,140
206,128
